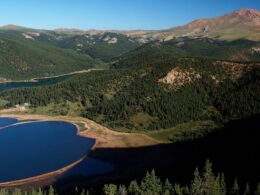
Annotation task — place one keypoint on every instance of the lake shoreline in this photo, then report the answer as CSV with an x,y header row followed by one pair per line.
x,y
48,175
36,79
41,177
92,130
105,138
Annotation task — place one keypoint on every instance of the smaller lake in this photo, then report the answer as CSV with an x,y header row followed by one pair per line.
x,y
41,82
36,148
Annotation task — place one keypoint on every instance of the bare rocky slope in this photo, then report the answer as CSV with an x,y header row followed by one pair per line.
x,y
240,24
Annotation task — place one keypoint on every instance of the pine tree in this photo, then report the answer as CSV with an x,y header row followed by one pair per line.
x,y
17,191
235,188
122,190
217,187
76,190
40,192
83,192
247,189
166,193
34,192
51,191
186,190
257,192
167,188
210,185
196,185
151,184
223,186
177,189
110,189
133,188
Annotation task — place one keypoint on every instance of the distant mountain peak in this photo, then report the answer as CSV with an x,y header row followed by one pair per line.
x,y
199,22
245,16
250,13
12,27
239,24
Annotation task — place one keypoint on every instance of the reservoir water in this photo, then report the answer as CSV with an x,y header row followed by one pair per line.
x,y
7,121
40,82
35,148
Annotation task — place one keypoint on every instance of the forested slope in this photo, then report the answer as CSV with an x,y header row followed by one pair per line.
x,y
21,59
99,45
140,98
238,50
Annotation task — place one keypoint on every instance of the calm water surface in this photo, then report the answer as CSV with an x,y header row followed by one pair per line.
x,y
7,121
36,148
41,82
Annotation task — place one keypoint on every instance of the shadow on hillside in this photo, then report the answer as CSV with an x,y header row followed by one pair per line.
x,y
233,150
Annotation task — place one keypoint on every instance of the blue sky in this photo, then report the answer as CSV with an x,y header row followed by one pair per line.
x,y
114,14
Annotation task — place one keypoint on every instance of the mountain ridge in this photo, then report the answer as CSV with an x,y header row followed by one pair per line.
x,y
239,24
234,36
243,20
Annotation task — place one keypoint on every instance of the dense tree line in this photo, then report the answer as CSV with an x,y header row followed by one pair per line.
x,y
203,183
115,97
96,47
23,59
186,47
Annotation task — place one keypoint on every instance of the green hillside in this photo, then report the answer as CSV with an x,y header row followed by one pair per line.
x,y
103,46
208,91
239,50
22,59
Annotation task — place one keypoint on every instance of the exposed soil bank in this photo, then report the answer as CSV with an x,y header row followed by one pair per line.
x,y
41,177
105,138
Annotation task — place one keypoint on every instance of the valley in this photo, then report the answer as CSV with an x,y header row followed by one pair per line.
x,y
98,109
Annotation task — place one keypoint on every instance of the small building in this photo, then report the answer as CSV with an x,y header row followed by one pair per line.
x,y
23,107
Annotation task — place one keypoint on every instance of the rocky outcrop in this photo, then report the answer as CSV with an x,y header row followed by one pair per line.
x,y
179,77
236,70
